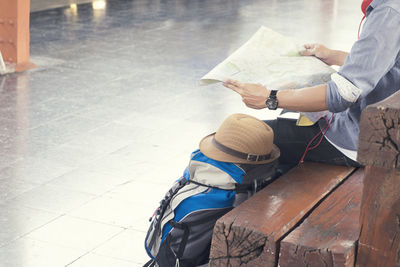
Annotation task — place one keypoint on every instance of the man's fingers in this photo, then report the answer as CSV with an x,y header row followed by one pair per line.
x,y
234,82
308,52
233,87
237,83
309,46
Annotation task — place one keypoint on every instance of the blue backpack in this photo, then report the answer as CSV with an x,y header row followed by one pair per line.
x,y
181,228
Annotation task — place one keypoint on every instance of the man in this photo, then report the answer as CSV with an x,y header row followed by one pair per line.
x,y
368,74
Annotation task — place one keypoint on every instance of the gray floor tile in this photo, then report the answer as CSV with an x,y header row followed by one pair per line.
x,y
11,187
7,160
98,145
101,261
128,245
90,182
111,211
138,192
105,114
34,170
70,156
75,233
148,121
115,130
63,130
53,198
18,221
131,161
26,252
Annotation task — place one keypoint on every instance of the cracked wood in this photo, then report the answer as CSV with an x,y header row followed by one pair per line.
x,y
379,138
328,237
249,234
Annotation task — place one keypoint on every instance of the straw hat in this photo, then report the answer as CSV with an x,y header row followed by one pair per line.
x,y
241,139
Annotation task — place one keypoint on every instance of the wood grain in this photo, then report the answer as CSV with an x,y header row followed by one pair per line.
x,y
379,243
328,237
249,234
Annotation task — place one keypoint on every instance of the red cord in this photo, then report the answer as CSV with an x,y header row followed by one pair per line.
x,y
323,132
359,27
328,123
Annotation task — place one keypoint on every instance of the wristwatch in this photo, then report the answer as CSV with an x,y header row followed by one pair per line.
x,y
272,101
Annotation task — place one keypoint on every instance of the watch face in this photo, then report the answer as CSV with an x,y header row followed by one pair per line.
x,y
272,103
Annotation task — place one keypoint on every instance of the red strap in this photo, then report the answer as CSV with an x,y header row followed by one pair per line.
x,y
359,27
364,6
323,132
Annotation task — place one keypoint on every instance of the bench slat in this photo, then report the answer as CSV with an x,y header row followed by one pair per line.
x,y
249,234
379,243
328,237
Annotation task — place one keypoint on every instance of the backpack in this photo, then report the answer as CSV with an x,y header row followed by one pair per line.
x,y
181,228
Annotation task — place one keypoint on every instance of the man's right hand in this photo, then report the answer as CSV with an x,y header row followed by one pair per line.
x,y
318,50
329,56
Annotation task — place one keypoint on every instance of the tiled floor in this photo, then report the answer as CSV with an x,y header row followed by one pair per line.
x,y
92,138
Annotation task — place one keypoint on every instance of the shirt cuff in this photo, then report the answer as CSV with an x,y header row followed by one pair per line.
x,y
334,101
346,89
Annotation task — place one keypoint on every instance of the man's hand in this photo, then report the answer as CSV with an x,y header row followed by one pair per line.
x,y
318,50
329,56
253,95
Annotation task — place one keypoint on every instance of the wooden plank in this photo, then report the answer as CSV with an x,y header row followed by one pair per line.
x,y
379,138
379,243
249,234
328,237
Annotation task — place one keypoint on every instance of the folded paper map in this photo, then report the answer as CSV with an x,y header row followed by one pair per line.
x,y
273,60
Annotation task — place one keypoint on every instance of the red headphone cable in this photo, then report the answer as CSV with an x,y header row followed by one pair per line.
x,y
323,132
359,27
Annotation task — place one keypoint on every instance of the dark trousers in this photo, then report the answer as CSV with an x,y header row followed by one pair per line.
x,y
292,141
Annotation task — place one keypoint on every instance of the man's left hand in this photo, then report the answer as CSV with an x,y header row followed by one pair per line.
x,y
253,95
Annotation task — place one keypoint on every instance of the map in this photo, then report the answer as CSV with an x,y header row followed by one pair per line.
x,y
273,60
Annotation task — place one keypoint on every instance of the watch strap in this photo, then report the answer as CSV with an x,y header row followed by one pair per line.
x,y
273,94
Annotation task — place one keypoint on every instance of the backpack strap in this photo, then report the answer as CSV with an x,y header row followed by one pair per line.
x,y
209,186
186,232
244,188
165,202
185,237
150,263
239,188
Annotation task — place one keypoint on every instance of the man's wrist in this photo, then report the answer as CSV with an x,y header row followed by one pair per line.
x,y
337,57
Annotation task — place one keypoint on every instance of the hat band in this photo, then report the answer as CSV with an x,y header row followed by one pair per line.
x,y
238,154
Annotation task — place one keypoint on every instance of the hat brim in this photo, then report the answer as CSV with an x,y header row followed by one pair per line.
x,y
207,148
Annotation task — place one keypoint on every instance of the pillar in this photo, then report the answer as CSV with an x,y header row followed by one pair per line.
x,y
14,33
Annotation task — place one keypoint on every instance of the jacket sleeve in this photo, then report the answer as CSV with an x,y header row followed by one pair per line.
x,y
370,58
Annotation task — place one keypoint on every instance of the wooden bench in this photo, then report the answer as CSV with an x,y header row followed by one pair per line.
x,y
324,215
